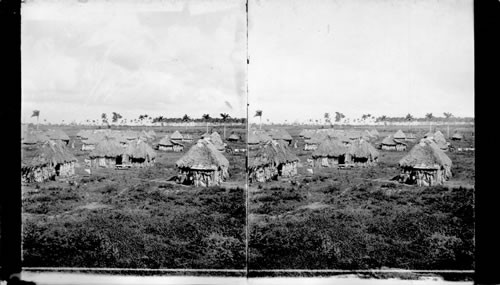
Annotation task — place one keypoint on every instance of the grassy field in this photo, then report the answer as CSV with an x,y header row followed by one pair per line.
x,y
332,219
362,219
136,218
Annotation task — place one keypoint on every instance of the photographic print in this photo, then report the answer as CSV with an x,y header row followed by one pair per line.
x,y
133,134
361,137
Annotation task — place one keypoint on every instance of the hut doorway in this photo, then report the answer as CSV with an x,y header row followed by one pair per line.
x,y
342,159
119,160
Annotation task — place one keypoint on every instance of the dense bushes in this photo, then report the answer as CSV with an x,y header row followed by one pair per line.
x,y
426,229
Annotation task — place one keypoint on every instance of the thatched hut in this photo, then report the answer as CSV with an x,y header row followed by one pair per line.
x,y
139,154
425,165
216,140
375,133
233,137
187,138
440,141
257,138
167,144
390,143
92,140
399,135
50,160
176,136
315,141
107,153
281,134
457,136
362,153
203,165
330,153
273,159
58,135
34,138
411,137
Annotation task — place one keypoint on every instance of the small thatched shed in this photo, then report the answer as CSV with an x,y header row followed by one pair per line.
x,y
34,138
330,153
187,138
280,134
257,138
362,153
233,138
411,137
139,154
375,133
273,159
58,135
390,143
399,135
425,165
176,136
216,140
315,141
457,136
167,144
107,153
50,160
203,165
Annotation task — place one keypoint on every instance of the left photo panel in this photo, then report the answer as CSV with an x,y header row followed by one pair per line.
x,y
134,135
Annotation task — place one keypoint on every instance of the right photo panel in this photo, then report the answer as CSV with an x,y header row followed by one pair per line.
x,y
361,137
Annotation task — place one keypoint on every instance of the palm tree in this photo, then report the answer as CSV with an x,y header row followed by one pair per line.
x,y
429,117
224,118
327,118
206,117
258,113
409,118
448,116
186,119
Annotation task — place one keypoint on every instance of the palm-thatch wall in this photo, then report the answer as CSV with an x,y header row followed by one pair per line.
x,y
107,153
203,165
139,154
399,135
50,160
330,153
273,159
166,144
233,138
361,153
390,143
425,165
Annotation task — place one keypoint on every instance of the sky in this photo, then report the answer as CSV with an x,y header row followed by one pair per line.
x,y
379,57
166,58
307,58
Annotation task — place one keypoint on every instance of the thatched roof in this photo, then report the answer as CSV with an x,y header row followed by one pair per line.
x,y
330,148
57,135
457,136
234,137
399,135
390,140
205,135
375,133
50,152
84,134
256,137
426,155
280,134
34,137
203,156
166,141
176,136
411,136
108,147
317,138
429,135
152,133
362,149
140,149
272,153
216,140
